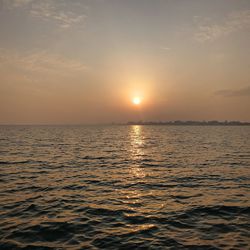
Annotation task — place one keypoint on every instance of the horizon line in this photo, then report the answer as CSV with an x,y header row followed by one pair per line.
x,y
170,122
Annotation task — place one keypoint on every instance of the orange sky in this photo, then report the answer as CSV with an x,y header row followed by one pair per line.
x,y
84,61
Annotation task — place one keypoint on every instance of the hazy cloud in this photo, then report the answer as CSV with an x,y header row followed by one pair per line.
x,y
234,93
166,48
17,3
63,13
233,22
48,11
39,61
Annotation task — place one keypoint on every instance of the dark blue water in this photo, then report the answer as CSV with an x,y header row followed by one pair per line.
x,y
124,187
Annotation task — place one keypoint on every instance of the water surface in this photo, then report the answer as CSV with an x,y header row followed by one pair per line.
x,y
124,187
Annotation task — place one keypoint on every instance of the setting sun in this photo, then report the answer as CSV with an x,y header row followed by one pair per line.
x,y
136,100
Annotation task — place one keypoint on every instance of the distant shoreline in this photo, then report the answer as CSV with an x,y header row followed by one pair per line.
x,y
192,123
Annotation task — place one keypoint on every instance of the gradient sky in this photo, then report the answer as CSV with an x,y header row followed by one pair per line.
x,y
83,61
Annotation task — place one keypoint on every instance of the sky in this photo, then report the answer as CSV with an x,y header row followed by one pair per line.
x,y
83,61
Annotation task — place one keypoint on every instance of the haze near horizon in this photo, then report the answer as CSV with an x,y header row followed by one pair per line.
x,y
97,61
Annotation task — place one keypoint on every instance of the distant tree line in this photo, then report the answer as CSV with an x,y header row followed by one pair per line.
x,y
194,123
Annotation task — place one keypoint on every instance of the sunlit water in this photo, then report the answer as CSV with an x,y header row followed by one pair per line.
x,y
124,187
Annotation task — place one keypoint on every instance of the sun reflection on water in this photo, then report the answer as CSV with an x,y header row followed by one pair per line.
x,y
137,150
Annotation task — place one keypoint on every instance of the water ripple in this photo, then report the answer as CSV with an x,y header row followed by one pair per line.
x,y
124,187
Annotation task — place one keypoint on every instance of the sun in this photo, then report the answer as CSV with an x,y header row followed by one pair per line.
x,y
137,100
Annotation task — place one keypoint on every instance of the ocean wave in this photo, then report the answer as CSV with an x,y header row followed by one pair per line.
x,y
87,190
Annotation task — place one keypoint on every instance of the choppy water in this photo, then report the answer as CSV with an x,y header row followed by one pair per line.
x,y
124,187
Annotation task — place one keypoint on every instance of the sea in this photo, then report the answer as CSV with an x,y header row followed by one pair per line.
x,y
124,187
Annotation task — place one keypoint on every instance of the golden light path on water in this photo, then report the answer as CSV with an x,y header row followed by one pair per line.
x,y
135,172
137,143
137,153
